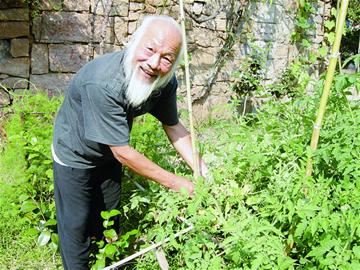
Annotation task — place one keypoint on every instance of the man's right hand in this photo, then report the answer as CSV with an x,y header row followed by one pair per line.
x,y
183,183
140,164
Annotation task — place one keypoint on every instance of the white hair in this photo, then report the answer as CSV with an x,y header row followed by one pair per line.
x,y
138,91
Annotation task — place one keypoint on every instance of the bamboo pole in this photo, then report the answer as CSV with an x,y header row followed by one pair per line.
x,y
188,93
328,81
145,250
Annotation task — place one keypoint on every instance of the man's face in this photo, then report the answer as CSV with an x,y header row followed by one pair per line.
x,y
156,52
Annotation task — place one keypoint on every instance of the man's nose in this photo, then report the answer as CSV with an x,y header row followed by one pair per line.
x,y
154,61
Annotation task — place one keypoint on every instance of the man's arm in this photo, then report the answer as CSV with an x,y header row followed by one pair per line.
x,y
140,164
181,140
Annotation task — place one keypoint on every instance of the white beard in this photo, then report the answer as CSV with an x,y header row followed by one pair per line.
x,y
139,91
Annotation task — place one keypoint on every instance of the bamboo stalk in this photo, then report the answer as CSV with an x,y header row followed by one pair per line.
x,y
328,81
188,92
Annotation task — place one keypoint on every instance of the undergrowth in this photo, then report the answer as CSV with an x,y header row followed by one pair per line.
x,y
251,213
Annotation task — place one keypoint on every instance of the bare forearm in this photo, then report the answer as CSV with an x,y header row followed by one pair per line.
x,y
137,162
181,140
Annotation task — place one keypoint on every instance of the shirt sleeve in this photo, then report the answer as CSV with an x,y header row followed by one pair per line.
x,y
166,108
105,120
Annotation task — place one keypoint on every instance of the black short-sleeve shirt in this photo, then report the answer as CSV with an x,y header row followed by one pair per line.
x,y
95,112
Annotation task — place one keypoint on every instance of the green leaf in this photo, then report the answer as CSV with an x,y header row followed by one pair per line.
x,y
110,250
44,238
110,233
323,51
49,173
50,222
330,37
105,214
329,24
114,213
28,206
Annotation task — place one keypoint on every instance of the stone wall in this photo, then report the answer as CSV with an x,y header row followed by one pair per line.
x,y
42,47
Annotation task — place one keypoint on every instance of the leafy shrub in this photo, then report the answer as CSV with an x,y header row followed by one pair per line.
x,y
29,131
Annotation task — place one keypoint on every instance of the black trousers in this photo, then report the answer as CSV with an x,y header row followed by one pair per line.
x,y
80,196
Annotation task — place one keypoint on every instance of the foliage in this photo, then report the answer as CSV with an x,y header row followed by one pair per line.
x,y
251,213
29,131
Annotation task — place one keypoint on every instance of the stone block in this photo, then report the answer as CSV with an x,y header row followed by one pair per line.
x,y
220,24
264,12
274,68
18,67
50,5
80,5
97,7
136,6
197,8
18,14
204,57
133,16
19,47
39,59
204,37
54,83
58,27
120,8
15,83
4,50
120,29
108,48
68,58
132,27
4,4
211,24
157,3
13,29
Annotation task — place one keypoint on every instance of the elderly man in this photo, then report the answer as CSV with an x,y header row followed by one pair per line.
x,y
92,130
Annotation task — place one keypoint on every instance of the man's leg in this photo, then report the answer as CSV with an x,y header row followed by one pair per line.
x,y
73,195
107,191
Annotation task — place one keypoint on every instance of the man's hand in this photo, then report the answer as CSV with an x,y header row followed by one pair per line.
x,y
183,183
140,164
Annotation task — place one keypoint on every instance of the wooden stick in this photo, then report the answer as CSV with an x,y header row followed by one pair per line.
x,y
145,250
188,91
328,81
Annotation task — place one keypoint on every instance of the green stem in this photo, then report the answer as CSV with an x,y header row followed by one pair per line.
x,y
328,81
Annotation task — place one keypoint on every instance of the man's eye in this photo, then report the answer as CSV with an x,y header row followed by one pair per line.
x,y
150,49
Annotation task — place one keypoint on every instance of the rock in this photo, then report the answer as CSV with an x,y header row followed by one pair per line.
x,y
120,29
58,27
119,8
13,29
18,67
15,83
132,27
133,16
12,4
68,58
4,50
197,8
54,83
108,48
136,6
221,25
19,47
39,59
204,57
157,3
80,5
49,5
18,14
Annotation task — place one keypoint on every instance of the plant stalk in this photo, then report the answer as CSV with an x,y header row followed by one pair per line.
x,y
188,93
328,81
